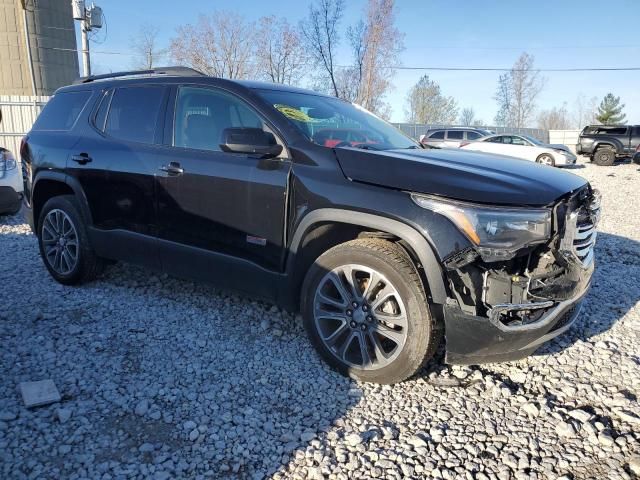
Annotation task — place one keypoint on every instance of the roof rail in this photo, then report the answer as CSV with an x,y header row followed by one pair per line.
x,y
169,71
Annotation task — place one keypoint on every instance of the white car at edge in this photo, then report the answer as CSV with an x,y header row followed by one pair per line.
x,y
524,147
11,186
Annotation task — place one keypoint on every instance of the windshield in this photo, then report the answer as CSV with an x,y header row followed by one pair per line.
x,y
535,141
335,123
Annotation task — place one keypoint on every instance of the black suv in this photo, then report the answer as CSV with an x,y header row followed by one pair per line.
x,y
385,247
604,143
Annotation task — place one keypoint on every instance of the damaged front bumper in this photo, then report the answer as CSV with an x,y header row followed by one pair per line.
x,y
478,339
505,311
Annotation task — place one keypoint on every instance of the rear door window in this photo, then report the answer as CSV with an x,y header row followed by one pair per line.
x,y
134,113
473,135
518,141
494,139
62,111
455,134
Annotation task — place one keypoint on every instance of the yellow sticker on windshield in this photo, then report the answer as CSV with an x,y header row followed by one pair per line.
x,y
293,113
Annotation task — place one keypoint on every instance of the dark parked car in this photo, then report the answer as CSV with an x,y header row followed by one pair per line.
x,y
385,247
451,137
604,143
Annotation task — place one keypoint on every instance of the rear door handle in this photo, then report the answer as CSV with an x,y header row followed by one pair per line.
x,y
82,158
173,168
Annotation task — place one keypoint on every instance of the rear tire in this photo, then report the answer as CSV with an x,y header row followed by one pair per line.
x,y
604,156
64,242
357,332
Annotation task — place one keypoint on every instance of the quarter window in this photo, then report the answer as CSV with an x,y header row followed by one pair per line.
x,y
203,114
62,111
133,114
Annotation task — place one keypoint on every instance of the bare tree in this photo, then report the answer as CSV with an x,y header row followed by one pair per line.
x,y
220,44
280,55
556,118
320,31
584,111
376,45
467,117
145,45
517,93
426,104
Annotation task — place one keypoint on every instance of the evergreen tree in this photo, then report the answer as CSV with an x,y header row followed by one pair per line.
x,y
610,111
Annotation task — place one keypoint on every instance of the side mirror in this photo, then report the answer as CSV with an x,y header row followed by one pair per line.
x,y
252,141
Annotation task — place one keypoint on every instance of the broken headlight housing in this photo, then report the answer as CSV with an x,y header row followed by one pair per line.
x,y
497,233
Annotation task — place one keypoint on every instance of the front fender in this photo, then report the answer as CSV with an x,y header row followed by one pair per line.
x,y
417,241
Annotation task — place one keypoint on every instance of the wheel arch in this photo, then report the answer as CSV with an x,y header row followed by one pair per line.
x,y
607,144
52,184
347,225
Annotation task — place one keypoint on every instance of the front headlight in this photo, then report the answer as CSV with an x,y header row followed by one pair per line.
x,y
497,232
7,162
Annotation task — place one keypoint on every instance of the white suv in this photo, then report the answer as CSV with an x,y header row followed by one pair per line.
x,y
451,137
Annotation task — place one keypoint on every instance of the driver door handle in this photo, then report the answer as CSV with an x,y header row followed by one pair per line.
x,y
82,158
173,168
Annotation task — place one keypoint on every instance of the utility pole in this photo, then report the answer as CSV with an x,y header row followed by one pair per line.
x,y
86,60
89,18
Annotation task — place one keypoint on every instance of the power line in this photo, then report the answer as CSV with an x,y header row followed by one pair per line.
x,y
481,69
541,47
402,67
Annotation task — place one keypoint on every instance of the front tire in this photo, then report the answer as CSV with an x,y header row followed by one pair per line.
x,y
64,242
604,156
546,159
366,312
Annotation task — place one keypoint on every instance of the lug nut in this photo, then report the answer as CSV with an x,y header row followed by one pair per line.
x,y
355,304
369,318
353,324
349,312
363,327
365,308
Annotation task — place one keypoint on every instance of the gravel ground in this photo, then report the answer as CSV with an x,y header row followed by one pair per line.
x,y
162,378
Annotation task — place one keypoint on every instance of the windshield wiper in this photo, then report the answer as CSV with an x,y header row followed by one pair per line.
x,y
364,146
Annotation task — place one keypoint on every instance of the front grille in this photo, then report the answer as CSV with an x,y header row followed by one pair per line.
x,y
580,230
584,241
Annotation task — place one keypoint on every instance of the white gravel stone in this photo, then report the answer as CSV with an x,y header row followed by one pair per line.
x,y
231,388
353,439
531,409
417,441
580,415
634,465
63,414
565,429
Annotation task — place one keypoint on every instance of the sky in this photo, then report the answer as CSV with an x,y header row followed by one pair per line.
x,y
442,33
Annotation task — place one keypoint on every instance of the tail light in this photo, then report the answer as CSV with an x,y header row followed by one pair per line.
x,y
638,148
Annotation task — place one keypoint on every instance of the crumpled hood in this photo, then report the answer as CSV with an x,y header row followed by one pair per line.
x,y
459,174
